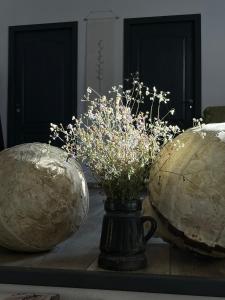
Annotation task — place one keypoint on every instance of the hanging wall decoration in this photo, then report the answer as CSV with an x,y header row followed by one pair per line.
x,y
100,50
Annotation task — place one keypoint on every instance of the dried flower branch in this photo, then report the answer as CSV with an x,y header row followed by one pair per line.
x,y
116,140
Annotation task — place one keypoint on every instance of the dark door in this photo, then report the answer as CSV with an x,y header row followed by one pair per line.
x,y
166,52
42,79
1,137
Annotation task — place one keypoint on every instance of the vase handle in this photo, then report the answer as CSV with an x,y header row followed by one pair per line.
x,y
152,228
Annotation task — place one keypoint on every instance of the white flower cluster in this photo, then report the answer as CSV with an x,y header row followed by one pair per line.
x,y
198,125
116,140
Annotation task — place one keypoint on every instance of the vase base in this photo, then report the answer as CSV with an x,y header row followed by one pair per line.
x,y
122,263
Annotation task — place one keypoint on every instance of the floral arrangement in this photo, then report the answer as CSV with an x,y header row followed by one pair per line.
x,y
116,140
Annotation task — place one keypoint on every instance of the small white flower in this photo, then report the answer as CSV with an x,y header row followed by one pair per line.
x,y
53,125
172,111
118,99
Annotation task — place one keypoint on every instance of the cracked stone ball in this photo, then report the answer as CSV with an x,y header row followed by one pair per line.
x,y
43,197
187,191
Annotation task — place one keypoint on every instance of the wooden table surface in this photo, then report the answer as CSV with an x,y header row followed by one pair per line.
x,y
80,252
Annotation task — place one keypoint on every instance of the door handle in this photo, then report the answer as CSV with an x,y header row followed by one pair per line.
x,y
189,102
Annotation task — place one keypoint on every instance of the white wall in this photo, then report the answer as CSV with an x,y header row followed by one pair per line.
x,y
19,12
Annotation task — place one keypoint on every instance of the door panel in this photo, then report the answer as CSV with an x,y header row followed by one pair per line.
x,y
1,137
42,82
165,51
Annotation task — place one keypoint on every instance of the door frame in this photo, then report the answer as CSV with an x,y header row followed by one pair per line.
x,y
13,30
196,20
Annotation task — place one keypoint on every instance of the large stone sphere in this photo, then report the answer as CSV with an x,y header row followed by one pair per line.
x,y
187,191
43,197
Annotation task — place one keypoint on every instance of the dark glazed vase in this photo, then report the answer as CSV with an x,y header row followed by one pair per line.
x,y
123,241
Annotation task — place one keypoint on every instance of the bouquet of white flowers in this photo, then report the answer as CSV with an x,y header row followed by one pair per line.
x,y
116,140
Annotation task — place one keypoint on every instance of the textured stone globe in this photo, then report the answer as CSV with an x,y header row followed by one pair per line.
x,y
187,191
43,197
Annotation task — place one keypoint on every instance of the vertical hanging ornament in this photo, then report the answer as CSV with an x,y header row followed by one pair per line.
x,y
100,50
